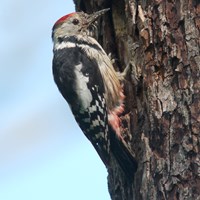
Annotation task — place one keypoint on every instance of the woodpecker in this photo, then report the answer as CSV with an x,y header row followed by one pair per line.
x,y
85,77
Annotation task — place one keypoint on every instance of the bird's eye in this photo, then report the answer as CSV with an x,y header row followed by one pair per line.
x,y
75,21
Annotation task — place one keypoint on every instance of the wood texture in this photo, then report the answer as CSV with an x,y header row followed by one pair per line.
x,y
161,123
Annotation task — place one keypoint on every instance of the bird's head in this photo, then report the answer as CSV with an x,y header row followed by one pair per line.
x,y
74,24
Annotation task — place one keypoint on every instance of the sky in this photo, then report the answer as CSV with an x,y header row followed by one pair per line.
x,y
43,153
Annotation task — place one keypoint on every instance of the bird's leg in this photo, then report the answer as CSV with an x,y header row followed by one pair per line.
x,y
123,75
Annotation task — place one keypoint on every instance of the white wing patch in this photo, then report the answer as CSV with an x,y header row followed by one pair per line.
x,y
81,87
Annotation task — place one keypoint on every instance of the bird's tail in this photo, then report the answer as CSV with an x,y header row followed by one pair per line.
x,y
123,155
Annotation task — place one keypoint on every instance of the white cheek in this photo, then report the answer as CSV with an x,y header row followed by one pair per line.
x,y
64,45
84,94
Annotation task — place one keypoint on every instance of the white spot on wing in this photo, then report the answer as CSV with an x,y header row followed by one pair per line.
x,y
100,135
95,123
92,109
83,92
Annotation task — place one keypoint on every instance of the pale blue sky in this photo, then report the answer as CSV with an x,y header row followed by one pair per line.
x,y
43,153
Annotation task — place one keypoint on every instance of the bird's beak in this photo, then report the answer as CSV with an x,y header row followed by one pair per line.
x,y
93,17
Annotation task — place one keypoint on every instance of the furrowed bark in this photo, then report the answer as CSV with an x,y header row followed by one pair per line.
x,y
161,123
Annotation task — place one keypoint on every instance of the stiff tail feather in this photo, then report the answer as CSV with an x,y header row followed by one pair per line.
x,y
123,155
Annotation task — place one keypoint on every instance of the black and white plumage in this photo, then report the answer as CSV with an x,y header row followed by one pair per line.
x,y
77,82
87,80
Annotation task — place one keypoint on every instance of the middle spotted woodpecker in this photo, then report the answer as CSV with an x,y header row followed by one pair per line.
x,y
87,80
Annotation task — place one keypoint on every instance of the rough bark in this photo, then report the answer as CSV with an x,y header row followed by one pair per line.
x,y
160,40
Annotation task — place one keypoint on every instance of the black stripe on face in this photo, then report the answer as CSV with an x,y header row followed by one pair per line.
x,y
77,41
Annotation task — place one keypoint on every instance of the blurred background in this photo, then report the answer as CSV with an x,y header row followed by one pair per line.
x,y
43,153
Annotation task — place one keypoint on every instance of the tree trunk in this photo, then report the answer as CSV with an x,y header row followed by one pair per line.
x,y
160,40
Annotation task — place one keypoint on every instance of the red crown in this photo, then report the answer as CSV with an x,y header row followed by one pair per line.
x,y
63,18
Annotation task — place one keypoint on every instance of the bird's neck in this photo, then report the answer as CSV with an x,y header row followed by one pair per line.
x,y
83,42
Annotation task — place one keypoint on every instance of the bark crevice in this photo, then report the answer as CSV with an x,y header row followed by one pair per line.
x,y
160,40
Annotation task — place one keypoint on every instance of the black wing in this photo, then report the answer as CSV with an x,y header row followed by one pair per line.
x,y
92,119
